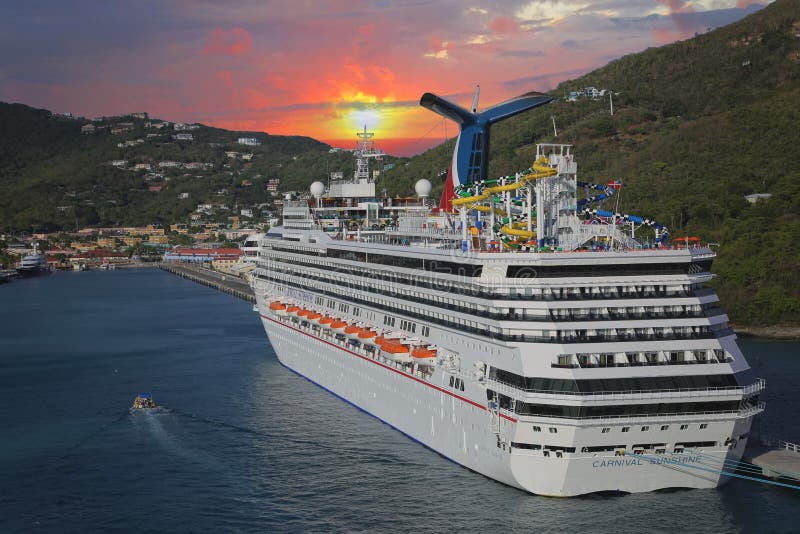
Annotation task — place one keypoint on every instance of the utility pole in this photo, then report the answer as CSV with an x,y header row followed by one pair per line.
x,y
555,132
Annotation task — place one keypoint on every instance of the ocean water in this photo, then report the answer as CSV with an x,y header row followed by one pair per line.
x,y
242,444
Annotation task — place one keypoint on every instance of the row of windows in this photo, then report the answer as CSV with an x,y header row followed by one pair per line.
x,y
594,270
526,271
646,428
606,385
578,336
629,410
512,315
456,383
408,326
437,266
513,271
536,294
660,448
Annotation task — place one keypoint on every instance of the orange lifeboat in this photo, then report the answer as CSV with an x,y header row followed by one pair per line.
x,y
326,321
339,325
305,312
314,317
424,356
277,307
293,309
368,336
396,351
352,331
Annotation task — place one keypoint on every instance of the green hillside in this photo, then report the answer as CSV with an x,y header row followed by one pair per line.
x,y
698,125
54,177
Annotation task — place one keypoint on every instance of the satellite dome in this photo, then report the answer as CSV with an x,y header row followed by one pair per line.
x,y
423,188
317,189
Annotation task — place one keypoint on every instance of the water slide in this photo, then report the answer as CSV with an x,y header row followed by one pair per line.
x,y
540,169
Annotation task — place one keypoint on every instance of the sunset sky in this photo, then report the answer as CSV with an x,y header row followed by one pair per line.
x,y
322,69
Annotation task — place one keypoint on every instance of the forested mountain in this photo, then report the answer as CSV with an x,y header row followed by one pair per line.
x,y
697,125
53,176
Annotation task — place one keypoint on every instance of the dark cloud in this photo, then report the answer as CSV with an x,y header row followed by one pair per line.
x,y
690,21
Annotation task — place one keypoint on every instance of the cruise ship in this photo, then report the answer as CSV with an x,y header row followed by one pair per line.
x,y
523,328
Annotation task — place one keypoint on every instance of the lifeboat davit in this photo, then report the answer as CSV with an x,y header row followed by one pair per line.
x,y
396,351
424,356
277,307
339,325
326,321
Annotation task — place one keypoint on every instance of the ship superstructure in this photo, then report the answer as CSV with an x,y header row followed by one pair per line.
x,y
523,331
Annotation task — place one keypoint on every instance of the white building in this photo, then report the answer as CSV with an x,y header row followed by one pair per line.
x,y
119,162
249,141
183,137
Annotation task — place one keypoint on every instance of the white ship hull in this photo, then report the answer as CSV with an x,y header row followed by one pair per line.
x,y
458,427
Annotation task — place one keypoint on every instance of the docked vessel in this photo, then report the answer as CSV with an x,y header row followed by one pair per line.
x,y
519,329
34,264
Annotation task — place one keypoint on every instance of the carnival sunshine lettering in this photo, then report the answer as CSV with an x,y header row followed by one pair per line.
x,y
625,462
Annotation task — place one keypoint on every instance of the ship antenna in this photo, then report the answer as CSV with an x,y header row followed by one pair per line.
x,y
475,99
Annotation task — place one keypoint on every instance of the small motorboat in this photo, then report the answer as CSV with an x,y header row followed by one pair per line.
x,y
143,401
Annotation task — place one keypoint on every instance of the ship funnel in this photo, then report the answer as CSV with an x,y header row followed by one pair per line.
x,y
471,156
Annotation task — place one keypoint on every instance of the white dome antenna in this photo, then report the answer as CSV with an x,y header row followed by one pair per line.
x,y
317,189
423,188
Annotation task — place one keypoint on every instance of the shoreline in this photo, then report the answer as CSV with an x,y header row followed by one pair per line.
x,y
774,332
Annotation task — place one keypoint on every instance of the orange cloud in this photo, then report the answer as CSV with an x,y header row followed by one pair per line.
x,y
503,25
233,42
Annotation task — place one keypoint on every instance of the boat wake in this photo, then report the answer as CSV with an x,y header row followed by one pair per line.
x,y
169,442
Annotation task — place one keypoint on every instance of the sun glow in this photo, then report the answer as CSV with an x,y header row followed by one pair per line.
x,y
370,118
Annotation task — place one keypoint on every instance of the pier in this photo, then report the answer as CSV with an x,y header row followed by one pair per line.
x,y
776,460
226,283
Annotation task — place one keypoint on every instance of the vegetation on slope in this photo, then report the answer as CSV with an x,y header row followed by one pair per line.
x,y
698,125
53,177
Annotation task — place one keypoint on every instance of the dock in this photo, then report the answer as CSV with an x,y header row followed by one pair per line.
x,y
227,283
776,460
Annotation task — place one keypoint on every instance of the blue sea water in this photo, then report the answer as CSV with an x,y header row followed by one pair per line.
x,y
243,444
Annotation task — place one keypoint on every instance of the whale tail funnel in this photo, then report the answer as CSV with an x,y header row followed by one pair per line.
x,y
471,155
